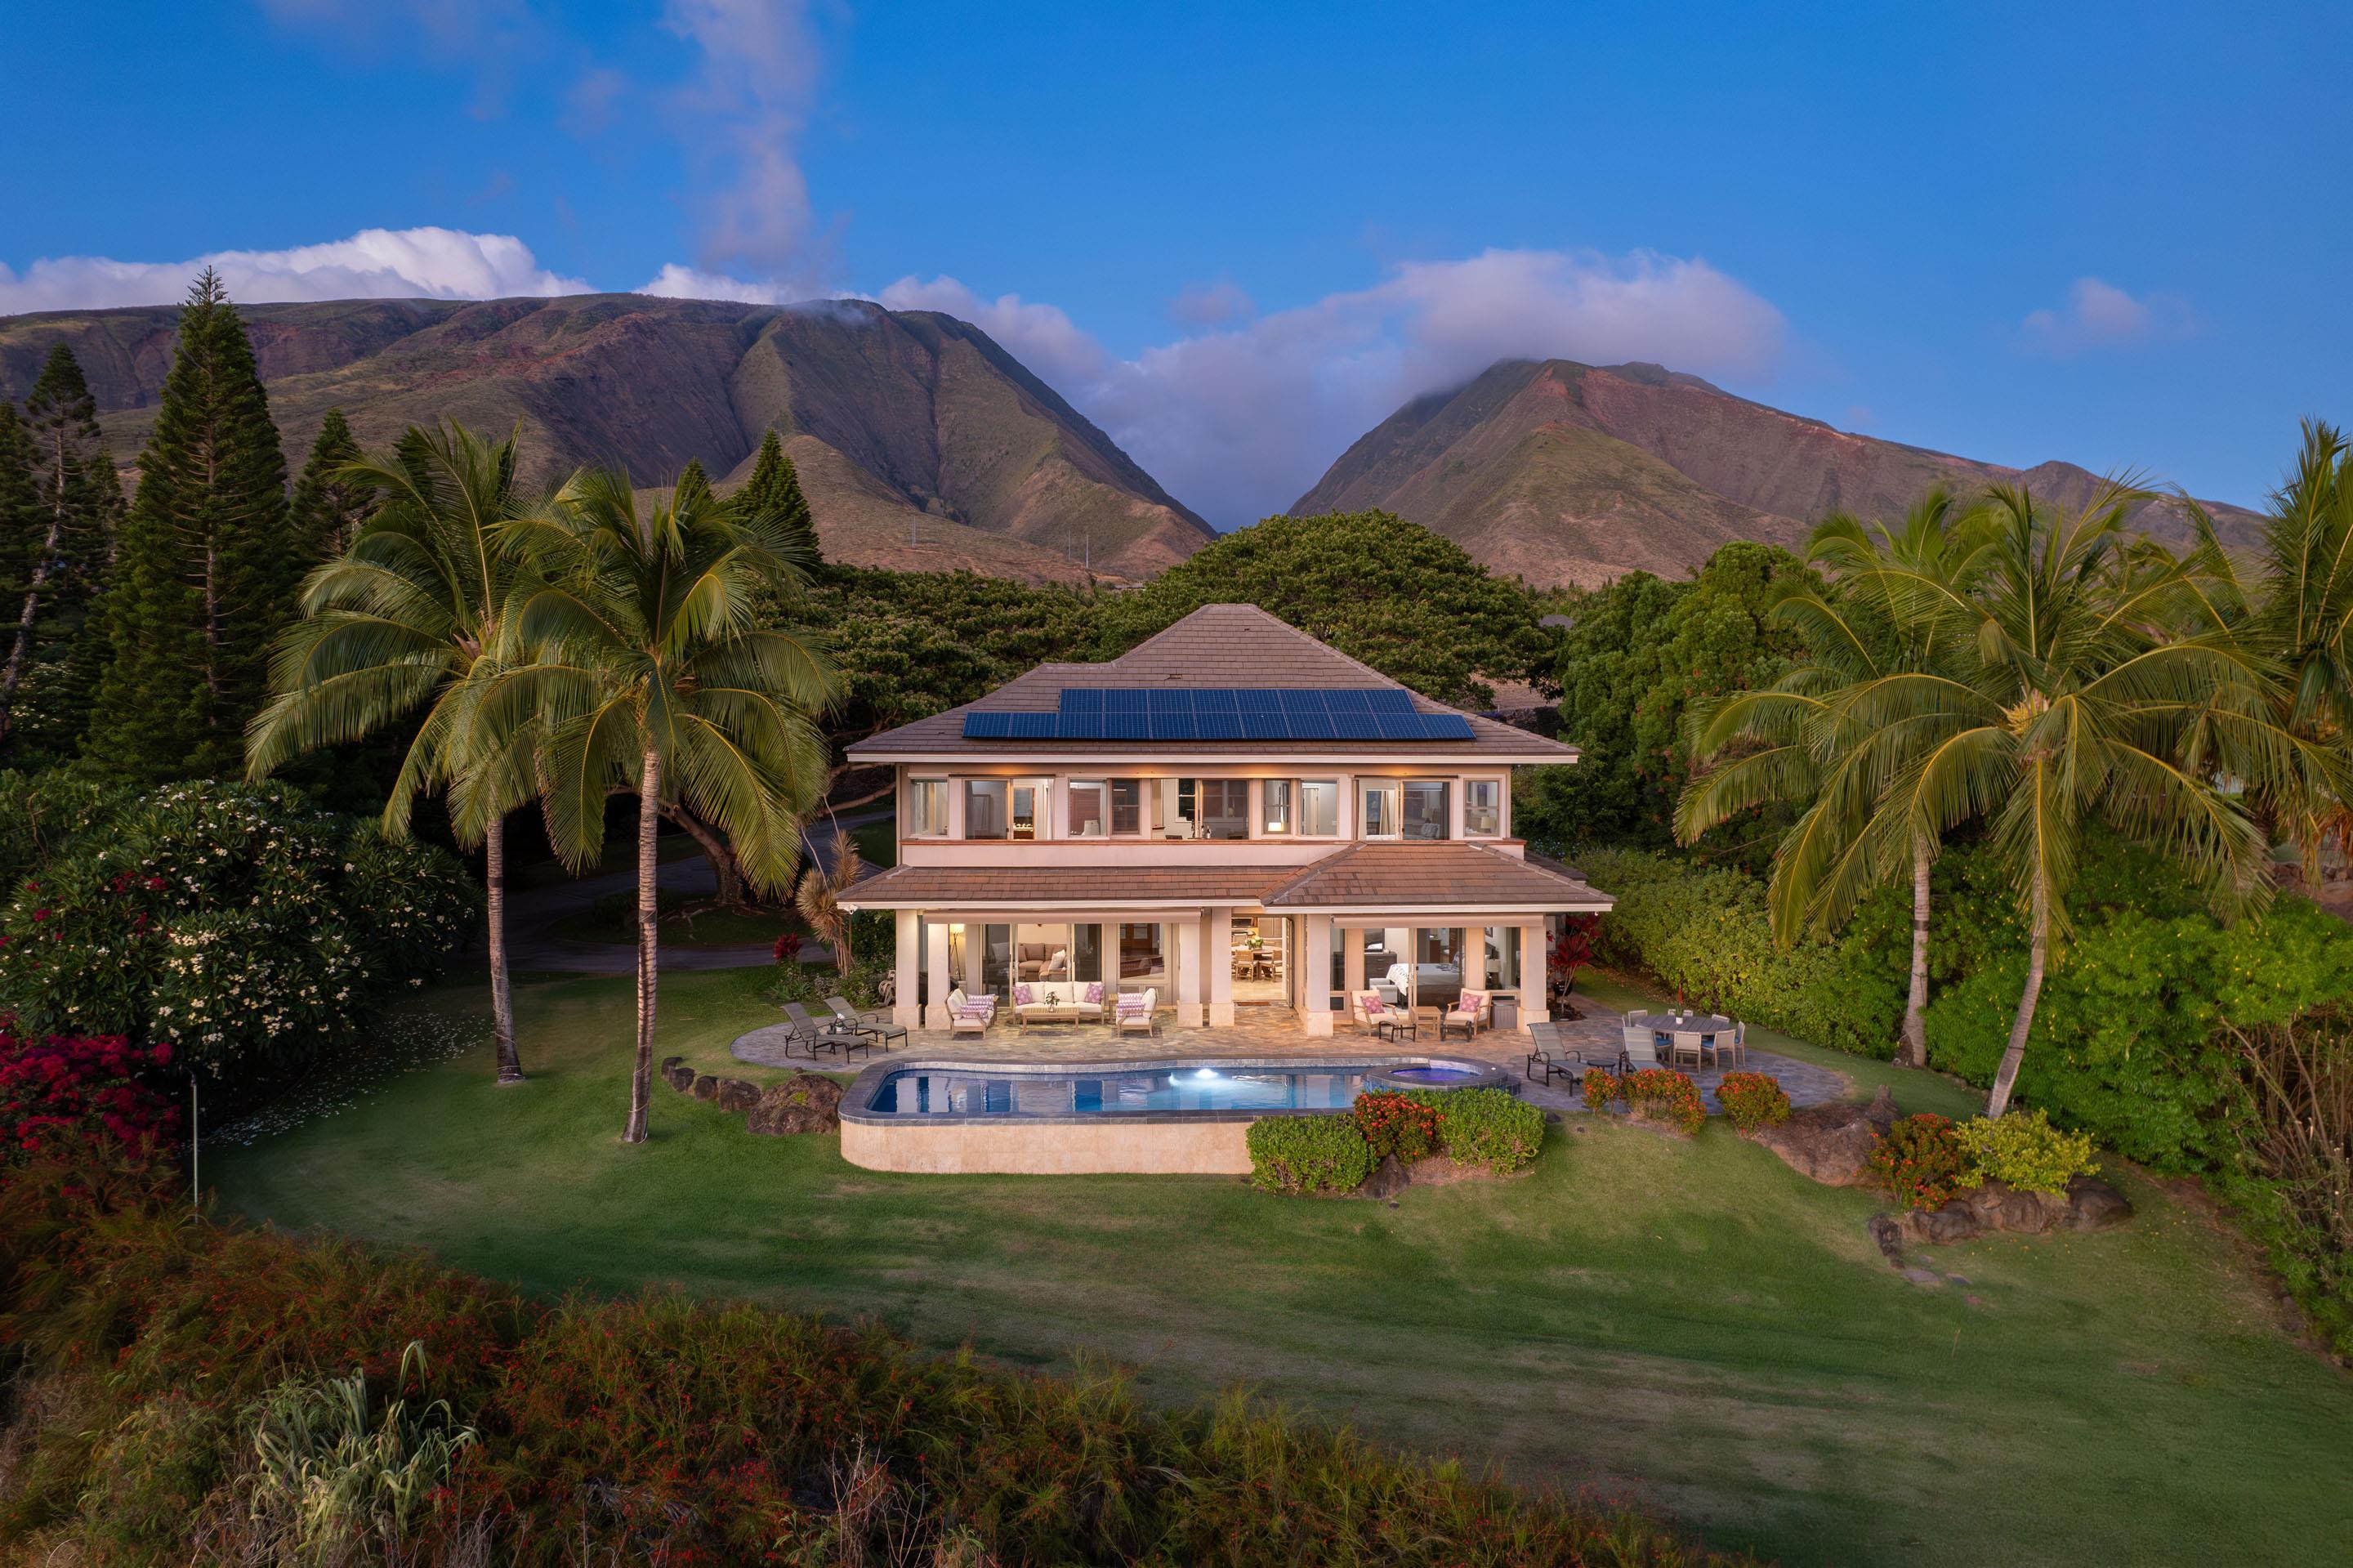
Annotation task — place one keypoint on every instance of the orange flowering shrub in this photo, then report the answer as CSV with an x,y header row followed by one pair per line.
x,y
1920,1160
1661,1095
1753,1100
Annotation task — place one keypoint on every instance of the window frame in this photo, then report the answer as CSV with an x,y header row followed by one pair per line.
x,y
1394,789
914,787
1103,811
1445,809
1005,804
1502,787
1267,826
1298,813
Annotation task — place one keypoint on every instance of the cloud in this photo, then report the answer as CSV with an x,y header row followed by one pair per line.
x,y
1211,304
376,263
2100,315
1238,421
743,114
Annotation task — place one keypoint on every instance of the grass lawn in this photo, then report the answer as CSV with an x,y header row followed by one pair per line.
x,y
1689,1323
614,918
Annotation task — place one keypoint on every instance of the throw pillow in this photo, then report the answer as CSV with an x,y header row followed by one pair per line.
x,y
1022,995
1094,992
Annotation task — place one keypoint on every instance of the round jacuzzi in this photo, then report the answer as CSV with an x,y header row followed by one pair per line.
x,y
1438,1072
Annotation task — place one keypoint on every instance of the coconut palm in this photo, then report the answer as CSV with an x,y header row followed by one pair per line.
x,y
412,616
648,667
819,896
1887,612
2082,701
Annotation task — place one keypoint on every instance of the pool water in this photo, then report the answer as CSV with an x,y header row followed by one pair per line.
x,y
919,1091
1438,1078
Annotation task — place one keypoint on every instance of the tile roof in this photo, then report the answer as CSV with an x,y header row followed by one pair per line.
x,y
1388,875
1217,645
1432,875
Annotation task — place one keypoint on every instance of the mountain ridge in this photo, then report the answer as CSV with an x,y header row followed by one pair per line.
x,y
951,452
1562,473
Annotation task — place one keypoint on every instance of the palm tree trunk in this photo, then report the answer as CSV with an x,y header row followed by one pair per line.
x,y
2038,950
495,876
641,1075
1914,1052
724,871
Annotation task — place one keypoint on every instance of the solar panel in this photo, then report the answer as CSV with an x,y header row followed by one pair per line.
x,y
1217,700
1177,702
1295,702
1311,726
1347,701
1123,700
1221,726
1390,699
1445,726
1033,727
987,727
1127,726
1079,726
1179,714
1082,700
1175,727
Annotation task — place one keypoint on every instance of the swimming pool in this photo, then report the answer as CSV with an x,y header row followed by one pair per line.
x,y
1154,1116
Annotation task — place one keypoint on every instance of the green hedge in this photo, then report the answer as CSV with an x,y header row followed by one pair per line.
x,y
1309,1154
1492,1129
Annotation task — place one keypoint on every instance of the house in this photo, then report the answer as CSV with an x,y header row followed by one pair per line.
x,y
1231,814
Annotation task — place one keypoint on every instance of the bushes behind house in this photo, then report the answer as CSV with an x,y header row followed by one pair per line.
x,y
154,1356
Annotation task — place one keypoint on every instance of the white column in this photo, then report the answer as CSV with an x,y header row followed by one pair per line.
x,y
935,968
906,972
1186,935
1219,950
1533,983
1352,958
1315,975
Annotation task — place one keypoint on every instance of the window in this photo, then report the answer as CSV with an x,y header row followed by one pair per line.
x,y
1376,809
1127,806
1086,809
1424,812
1482,808
1274,805
1319,807
1211,809
1503,957
1029,807
1142,959
927,808
984,808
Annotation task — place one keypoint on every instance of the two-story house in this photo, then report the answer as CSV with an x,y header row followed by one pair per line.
x,y
1231,814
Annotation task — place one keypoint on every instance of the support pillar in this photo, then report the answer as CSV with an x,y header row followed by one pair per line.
x,y
1187,935
906,972
1315,975
1536,986
1218,953
1352,960
939,983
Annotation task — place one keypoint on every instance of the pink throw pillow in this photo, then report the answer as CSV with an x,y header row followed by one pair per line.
x,y
1022,996
1094,992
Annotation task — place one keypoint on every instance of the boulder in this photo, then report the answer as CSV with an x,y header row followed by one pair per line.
x,y
1830,1143
2093,1205
736,1095
677,1074
806,1102
1388,1179
2088,1203
704,1087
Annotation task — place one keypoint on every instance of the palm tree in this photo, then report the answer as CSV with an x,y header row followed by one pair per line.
x,y
411,616
1886,615
652,674
819,896
2083,701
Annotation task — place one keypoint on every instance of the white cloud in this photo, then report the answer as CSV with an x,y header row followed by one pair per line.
x,y
1220,303
2100,315
745,111
675,281
375,264
1238,422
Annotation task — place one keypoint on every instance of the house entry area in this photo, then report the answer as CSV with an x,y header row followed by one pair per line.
x,y
1260,952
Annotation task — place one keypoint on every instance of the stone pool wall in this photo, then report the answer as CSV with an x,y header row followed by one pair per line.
x,y
1191,1146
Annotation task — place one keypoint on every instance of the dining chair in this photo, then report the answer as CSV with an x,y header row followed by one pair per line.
x,y
1692,1040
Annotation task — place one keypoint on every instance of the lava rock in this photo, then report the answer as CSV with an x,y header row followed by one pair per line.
x,y
806,1102
736,1095
2093,1205
1833,1143
1388,1179
704,1087
677,1074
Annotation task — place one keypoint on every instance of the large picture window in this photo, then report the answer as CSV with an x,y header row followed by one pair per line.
x,y
927,808
1087,818
983,809
1422,814
1210,808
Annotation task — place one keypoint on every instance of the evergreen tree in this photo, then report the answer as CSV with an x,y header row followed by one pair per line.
x,y
20,506
204,576
773,494
45,690
693,486
330,503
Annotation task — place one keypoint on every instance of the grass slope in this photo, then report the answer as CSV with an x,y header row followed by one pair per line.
x,y
1686,1323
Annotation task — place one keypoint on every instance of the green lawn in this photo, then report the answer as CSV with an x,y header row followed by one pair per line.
x,y
1690,1323
614,918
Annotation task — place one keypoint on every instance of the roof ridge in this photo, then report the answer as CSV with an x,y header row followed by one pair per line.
x,y
1261,613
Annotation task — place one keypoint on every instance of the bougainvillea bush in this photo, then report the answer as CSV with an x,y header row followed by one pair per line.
x,y
1920,1160
233,923
1393,1124
1600,1086
1663,1095
81,1093
1753,1100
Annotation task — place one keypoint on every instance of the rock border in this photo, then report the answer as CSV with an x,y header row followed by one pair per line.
x,y
803,1102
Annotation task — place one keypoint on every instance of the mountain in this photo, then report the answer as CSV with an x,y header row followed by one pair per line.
x,y
920,441
1562,473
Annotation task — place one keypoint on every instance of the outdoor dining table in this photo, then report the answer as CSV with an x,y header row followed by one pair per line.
x,y
1664,1024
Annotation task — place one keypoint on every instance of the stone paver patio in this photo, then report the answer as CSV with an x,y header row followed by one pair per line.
x,y
1274,1032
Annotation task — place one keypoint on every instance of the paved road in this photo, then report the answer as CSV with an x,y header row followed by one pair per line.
x,y
531,912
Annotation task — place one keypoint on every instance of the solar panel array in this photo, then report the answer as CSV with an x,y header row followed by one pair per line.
x,y
1223,713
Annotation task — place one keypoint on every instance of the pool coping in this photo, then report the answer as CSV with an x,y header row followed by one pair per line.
x,y
860,1096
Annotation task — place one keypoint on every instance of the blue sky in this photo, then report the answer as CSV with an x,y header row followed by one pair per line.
x,y
1239,235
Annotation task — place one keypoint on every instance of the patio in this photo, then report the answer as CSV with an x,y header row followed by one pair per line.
x,y
1264,1032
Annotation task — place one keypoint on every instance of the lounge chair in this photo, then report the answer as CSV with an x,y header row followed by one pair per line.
x,y
1638,1044
970,1015
869,1023
828,1035
1548,1058
1135,1011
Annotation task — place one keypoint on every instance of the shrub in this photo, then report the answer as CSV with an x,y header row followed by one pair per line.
x,y
1309,1154
233,923
2022,1149
647,1429
1493,1129
80,1092
1920,1159
1392,1124
1663,1095
1753,1100
1601,1086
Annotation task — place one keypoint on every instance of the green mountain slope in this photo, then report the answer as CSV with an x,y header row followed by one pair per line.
x,y
937,446
1565,472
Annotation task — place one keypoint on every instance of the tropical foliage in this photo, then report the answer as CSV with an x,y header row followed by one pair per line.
x,y
2020,1149
76,1094
1920,1162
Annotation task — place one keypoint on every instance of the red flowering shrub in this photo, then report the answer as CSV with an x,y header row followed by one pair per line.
x,y
1753,1100
1392,1124
1601,1086
82,1091
1660,1094
788,946
1920,1160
